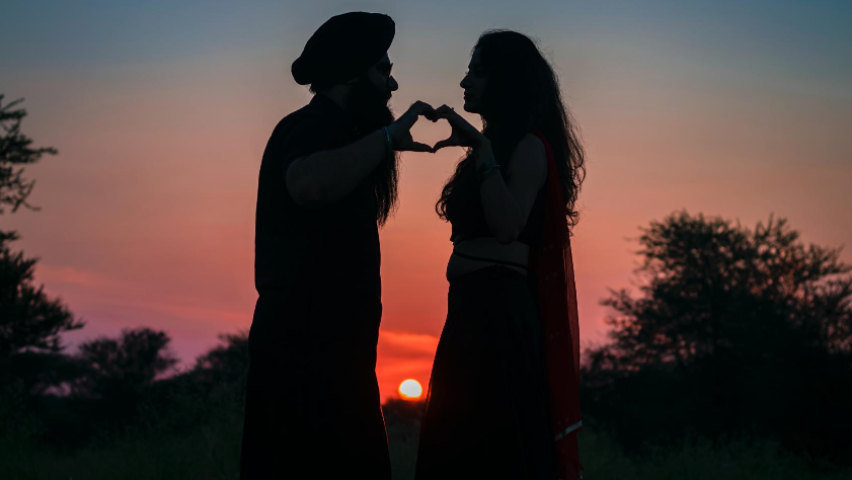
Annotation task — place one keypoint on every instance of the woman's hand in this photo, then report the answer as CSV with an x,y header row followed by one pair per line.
x,y
400,130
463,135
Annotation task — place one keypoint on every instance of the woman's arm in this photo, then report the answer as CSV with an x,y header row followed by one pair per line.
x,y
507,203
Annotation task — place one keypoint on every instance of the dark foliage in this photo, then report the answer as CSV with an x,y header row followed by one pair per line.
x,y
126,386
29,319
124,366
404,410
225,366
736,331
214,387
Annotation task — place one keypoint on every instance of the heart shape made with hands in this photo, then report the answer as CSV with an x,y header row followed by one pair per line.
x,y
463,134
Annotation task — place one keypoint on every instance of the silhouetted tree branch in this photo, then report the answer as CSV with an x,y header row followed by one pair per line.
x,y
16,150
29,320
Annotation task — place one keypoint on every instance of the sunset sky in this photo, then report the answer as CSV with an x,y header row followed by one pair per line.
x,y
161,110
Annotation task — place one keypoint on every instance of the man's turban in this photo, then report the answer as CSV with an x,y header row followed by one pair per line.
x,y
343,48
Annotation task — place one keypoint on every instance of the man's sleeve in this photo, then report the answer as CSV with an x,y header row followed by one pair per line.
x,y
304,137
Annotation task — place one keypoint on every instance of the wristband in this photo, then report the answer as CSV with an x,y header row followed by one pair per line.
x,y
489,161
486,171
388,141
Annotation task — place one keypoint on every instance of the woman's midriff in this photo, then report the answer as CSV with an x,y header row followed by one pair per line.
x,y
485,249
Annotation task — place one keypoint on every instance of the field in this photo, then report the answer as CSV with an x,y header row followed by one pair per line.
x,y
212,452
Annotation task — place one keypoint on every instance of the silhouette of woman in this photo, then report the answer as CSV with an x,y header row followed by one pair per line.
x,y
503,399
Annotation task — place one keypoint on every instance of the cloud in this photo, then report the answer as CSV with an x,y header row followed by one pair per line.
x,y
405,344
90,289
78,278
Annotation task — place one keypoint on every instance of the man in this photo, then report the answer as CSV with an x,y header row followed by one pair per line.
x,y
328,180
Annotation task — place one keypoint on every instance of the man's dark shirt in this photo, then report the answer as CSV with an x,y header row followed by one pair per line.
x,y
322,262
313,337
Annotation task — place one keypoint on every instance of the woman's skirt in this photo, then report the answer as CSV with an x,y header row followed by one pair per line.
x,y
487,413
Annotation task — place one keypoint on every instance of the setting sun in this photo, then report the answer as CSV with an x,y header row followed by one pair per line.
x,y
410,389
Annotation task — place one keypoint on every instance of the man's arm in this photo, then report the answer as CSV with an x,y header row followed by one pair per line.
x,y
328,176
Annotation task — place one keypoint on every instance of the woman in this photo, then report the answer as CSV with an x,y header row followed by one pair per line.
x,y
500,394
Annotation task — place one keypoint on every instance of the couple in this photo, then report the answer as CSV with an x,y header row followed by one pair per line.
x,y
503,399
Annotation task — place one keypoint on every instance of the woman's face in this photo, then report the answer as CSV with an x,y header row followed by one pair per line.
x,y
473,84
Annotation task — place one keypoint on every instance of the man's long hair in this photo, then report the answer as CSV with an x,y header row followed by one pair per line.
x,y
369,110
521,96
385,187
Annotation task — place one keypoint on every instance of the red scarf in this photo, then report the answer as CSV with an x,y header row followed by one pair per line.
x,y
553,266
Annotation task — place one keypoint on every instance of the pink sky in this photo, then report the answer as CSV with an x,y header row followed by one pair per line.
x,y
148,210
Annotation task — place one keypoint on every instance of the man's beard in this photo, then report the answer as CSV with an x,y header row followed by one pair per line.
x,y
368,107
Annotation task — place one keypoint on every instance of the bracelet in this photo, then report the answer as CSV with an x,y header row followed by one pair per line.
x,y
388,141
487,171
483,171
488,162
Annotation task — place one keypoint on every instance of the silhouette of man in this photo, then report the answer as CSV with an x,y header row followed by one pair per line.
x,y
328,180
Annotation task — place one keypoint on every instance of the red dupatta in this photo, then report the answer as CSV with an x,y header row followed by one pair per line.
x,y
551,263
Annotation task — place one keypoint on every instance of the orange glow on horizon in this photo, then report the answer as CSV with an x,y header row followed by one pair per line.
x,y
410,389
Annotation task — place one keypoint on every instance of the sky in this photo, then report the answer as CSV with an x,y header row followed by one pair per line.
x,y
161,110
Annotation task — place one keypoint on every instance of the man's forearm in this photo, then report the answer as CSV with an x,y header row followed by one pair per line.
x,y
328,176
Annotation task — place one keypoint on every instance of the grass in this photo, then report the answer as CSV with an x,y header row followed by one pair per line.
x,y
212,452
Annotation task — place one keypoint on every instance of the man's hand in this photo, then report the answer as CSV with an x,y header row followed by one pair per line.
x,y
400,130
463,135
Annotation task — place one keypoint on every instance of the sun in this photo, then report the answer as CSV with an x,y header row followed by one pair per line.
x,y
410,389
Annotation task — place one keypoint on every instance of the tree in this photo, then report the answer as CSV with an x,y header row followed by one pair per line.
x,y
213,388
124,367
735,330
225,366
30,321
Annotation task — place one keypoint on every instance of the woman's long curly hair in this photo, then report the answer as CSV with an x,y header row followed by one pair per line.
x,y
521,96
